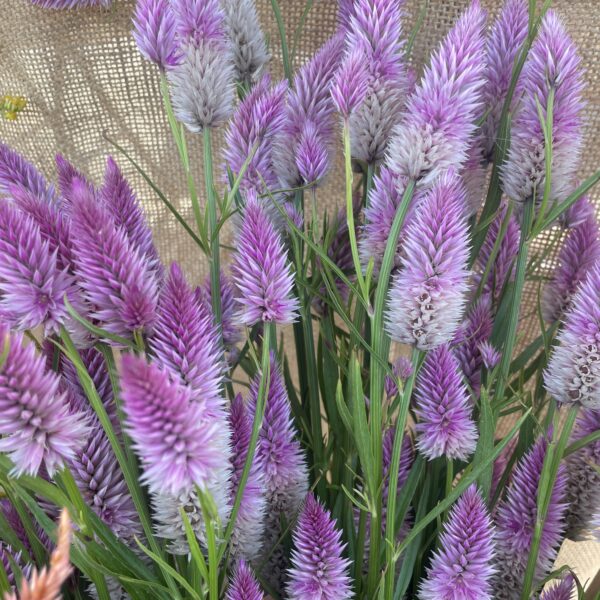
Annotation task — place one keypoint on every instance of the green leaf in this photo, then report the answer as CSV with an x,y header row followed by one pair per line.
x,y
485,444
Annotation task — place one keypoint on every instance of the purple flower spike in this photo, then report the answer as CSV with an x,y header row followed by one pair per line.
x,y
319,570
70,180
312,157
247,535
69,4
583,490
202,84
560,591
185,342
506,38
402,369
32,287
427,297
154,32
284,467
445,426
260,270
441,114
515,522
244,585
462,568
552,64
579,212
573,373
579,252
230,327
375,32
118,282
351,83
121,201
36,424
258,119
17,172
489,355
178,446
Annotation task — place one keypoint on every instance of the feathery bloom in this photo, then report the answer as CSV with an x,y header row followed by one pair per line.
x,y
462,567
230,327
309,100
32,286
261,272
154,32
502,269
506,37
48,582
17,172
344,14
202,84
69,4
445,426
351,83
466,345
318,568
560,591
427,297
36,423
256,121
284,467
583,488
552,64
402,369
375,31
247,535
8,557
515,524
121,201
312,155
440,117
250,53
179,447
573,373
244,585
118,282
579,252
490,356
580,211
70,180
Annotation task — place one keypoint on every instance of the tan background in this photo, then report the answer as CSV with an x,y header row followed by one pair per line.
x,y
81,74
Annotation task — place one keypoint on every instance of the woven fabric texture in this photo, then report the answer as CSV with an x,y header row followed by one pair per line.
x,y
83,78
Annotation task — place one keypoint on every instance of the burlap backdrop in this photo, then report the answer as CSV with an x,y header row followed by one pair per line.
x,y
82,75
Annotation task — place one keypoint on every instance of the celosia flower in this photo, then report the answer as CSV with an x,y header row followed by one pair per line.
x,y
552,64
466,345
260,270
462,567
490,356
502,269
516,519
440,117
17,172
179,446
8,558
69,4
351,82
573,373
504,42
70,180
319,569
445,426
284,468
244,585
250,53
120,199
257,120
154,32
37,425
583,488
312,155
579,252
345,13
402,369
308,101
247,535
117,280
427,297
560,591
580,211
32,287
202,84
375,31
230,327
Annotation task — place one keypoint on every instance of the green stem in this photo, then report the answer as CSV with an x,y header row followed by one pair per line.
x,y
213,231
285,57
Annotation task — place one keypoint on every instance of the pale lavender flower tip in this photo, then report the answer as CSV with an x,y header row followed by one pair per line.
x,y
463,565
244,585
402,368
70,4
16,171
579,212
445,426
154,32
350,84
489,355
561,591
318,567
312,155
